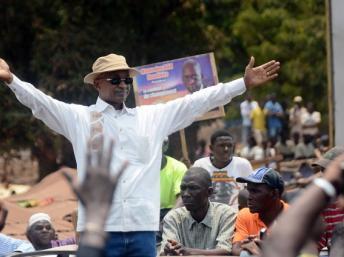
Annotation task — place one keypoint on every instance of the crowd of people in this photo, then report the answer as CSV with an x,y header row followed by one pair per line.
x,y
218,206
272,129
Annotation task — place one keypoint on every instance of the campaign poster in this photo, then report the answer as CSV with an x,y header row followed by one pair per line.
x,y
165,81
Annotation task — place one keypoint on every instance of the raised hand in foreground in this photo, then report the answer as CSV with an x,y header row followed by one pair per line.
x,y
293,228
96,193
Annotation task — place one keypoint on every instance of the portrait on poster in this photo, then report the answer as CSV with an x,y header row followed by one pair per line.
x,y
169,80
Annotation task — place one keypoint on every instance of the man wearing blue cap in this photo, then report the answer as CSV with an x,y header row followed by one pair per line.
x,y
265,187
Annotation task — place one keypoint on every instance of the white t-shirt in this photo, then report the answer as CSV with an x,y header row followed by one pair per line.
x,y
254,153
226,189
314,119
246,108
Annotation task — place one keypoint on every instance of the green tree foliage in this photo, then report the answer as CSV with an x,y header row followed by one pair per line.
x,y
294,33
53,43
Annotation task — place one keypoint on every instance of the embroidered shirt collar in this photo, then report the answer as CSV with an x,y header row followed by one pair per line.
x,y
101,106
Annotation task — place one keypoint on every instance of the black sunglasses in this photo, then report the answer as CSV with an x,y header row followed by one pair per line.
x,y
117,81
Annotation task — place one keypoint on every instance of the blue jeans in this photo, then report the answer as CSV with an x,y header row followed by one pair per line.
x,y
131,244
274,132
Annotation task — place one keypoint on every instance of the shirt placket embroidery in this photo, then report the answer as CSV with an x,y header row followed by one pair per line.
x,y
97,130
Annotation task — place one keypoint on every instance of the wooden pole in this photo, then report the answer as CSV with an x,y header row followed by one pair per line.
x,y
184,145
330,96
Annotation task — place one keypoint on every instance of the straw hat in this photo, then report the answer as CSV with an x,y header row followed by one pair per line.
x,y
297,99
111,62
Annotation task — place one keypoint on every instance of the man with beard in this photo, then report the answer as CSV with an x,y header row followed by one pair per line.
x,y
201,227
265,187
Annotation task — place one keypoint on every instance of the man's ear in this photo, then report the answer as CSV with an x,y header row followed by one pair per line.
x,y
96,84
210,190
211,148
28,235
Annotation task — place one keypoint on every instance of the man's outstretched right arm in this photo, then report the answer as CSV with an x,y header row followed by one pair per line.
x,y
55,114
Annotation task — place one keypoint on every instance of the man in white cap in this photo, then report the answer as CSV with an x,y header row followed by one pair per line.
x,y
40,233
138,134
295,116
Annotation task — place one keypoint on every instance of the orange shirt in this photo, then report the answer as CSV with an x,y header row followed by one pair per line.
x,y
248,223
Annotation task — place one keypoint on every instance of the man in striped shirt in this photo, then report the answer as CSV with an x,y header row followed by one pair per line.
x,y
201,227
332,214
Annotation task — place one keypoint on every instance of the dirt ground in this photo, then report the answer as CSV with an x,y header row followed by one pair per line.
x,y
52,196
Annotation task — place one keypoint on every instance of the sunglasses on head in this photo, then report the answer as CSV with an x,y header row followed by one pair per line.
x,y
117,81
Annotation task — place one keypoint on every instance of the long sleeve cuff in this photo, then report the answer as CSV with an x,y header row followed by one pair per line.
x,y
237,86
18,87
14,83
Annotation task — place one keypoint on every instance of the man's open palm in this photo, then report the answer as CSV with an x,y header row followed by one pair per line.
x,y
5,73
255,76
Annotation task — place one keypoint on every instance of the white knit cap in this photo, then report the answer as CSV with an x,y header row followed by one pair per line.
x,y
40,216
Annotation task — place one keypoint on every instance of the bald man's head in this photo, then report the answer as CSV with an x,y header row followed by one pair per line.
x,y
192,75
200,174
195,189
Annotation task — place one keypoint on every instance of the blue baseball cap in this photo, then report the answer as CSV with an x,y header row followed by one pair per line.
x,y
266,176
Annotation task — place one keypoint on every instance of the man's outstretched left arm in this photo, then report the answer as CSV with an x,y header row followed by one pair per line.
x,y
180,113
